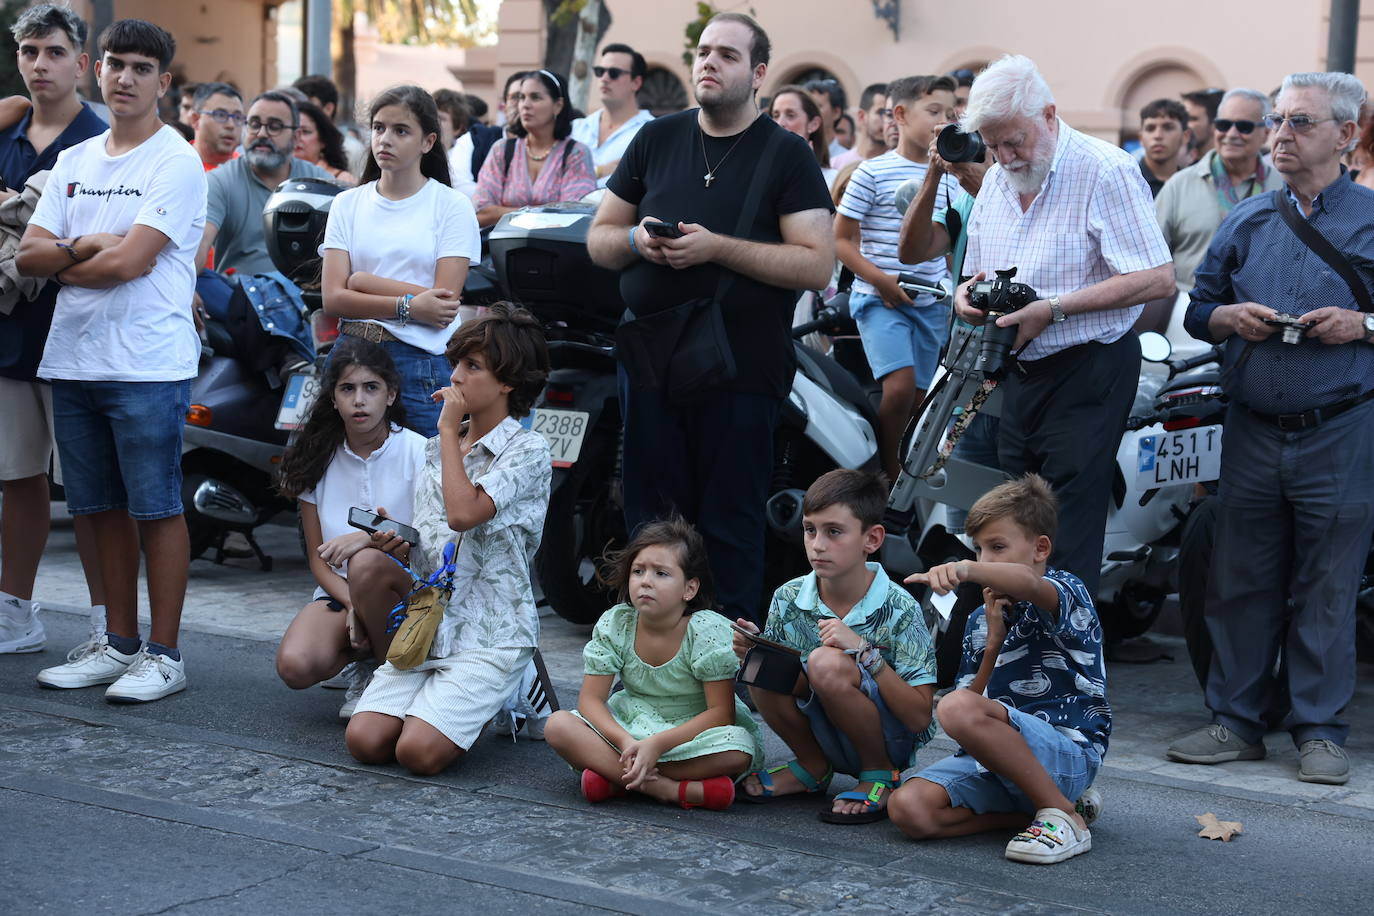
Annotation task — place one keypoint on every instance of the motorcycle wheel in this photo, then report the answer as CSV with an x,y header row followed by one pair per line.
x,y
1133,612
581,524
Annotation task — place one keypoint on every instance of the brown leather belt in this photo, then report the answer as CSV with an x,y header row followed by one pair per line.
x,y
367,330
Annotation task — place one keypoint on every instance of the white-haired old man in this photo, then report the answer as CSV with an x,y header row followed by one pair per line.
x,y
1074,216
1297,483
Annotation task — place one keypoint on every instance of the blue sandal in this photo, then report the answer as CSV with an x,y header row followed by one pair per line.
x,y
811,785
882,781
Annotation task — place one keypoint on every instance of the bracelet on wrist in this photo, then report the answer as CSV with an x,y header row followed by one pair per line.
x,y
403,309
633,246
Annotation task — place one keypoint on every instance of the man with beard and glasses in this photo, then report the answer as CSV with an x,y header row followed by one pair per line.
x,y
1074,216
240,187
712,459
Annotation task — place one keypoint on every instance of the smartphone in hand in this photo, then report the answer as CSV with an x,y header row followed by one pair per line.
x,y
662,230
371,522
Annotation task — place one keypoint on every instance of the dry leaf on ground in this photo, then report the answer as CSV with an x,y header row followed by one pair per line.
x,y
1213,829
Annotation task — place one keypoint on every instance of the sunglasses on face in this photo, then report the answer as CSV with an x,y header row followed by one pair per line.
x,y
1301,124
1224,125
614,73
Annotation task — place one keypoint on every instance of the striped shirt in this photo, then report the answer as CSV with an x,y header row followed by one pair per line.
x,y
1093,219
869,201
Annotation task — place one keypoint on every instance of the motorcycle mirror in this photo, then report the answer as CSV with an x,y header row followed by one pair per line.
x,y
1155,347
906,192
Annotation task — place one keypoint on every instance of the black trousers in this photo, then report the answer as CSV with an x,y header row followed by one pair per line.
x,y
712,462
1062,418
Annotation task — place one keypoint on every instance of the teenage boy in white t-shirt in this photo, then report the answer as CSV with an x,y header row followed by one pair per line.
x,y
119,228
901,337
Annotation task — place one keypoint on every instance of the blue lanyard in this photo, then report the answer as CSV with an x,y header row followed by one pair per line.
x,y
441,577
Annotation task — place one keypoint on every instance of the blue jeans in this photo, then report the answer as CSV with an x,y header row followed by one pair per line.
x,y
899,740
120,444
970,785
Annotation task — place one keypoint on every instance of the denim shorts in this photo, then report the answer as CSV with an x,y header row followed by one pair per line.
x,y
896,338
422,373
120,444
839,750
969,784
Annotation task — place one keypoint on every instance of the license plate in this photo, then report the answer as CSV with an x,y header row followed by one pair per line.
x,y
1185,456
564,430
301,390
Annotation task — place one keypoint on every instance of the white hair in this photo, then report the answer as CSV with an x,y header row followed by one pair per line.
x,y
1252,95
1010,87
1345,92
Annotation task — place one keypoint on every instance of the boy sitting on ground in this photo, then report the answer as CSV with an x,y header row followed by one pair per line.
x,y
862,704
1032,720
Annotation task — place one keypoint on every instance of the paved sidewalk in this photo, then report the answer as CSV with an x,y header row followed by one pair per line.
x,y
1151,704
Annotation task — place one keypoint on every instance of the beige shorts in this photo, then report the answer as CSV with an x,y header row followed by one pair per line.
x,y
26,445
458,695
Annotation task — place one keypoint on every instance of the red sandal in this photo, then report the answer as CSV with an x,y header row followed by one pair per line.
x,y
717,793
597,788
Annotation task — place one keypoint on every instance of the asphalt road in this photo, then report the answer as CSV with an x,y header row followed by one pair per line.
x,y
237,795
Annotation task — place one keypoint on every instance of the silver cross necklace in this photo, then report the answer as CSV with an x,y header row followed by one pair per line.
x,y
710,175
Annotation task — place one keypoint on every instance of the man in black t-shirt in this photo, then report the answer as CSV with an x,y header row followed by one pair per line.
x,y
713,460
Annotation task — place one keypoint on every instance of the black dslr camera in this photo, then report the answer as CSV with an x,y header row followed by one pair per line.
x,y
956,146
997,298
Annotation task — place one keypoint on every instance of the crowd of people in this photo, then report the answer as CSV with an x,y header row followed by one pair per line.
x,y
1236,198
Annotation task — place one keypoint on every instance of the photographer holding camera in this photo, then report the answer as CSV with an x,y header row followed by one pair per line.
x,y
1278,289
1075,217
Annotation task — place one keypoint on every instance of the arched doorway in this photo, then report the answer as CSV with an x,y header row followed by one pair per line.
x,y
1167,80
662,92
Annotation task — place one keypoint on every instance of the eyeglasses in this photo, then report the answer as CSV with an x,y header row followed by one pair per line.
x,y
1301,124
884,112
272,127
1224,125
222,116
614,73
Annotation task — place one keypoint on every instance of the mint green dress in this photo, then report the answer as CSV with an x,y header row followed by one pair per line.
x,y
658,698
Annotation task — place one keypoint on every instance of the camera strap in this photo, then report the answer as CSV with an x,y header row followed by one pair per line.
x,y
1318,244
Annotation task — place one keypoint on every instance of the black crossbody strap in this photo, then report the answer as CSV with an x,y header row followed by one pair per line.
x,y
752,198
1313,239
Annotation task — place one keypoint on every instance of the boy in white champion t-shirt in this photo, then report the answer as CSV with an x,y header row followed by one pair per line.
x,y
118,226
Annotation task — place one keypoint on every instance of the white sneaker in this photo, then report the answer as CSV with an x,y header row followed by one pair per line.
x,y
362,676
151,677
341,680
92,663
20,628
1051,837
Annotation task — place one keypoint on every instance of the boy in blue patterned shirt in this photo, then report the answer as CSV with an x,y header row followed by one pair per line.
x,y
1032,719
862,704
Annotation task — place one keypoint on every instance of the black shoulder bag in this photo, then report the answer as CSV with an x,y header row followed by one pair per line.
x,y
684,350
1313,239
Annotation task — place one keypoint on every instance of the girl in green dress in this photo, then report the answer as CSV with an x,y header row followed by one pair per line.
x,y
676,732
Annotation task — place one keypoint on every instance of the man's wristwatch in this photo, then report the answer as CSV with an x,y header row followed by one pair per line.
x,y
1369,328
1056,310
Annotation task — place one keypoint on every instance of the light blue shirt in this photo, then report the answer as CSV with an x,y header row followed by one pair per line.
x,y
588,130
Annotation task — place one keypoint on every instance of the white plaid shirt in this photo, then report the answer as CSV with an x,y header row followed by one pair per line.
x,y
1093,219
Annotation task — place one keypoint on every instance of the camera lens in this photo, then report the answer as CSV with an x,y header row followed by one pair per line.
x,y
955,146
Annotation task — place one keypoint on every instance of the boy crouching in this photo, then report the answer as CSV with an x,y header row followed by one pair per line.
x,y
1032,720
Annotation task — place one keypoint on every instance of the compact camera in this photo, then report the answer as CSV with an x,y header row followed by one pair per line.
x,y
1293,327
997,298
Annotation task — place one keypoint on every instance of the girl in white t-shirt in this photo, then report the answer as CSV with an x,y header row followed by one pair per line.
x,y
396,249
351,451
